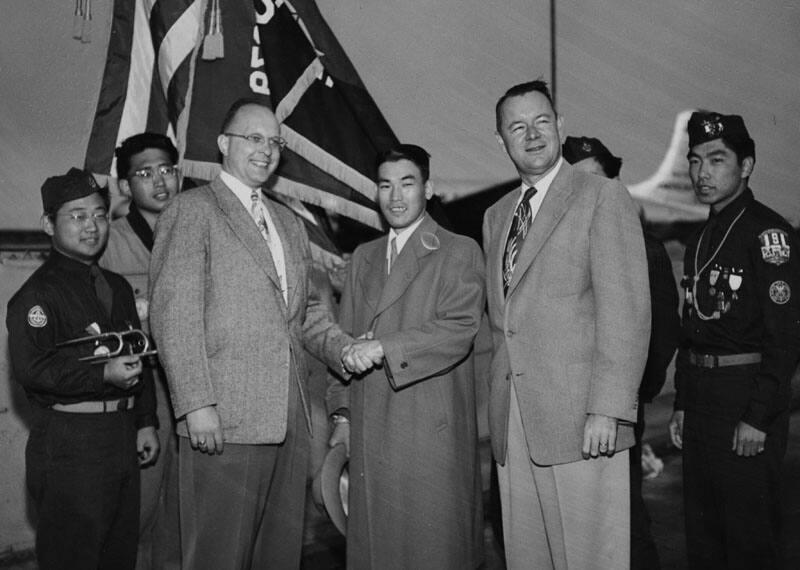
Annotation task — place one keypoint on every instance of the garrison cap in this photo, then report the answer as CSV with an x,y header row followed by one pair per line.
x,y
76,183
576,149
705,126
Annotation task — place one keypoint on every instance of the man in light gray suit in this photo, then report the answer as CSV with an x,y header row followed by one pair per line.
x,y
232,309
569,312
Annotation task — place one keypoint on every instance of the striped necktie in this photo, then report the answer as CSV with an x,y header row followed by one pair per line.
x,y
258,214
516,235
392,253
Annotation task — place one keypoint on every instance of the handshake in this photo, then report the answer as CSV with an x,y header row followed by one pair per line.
x,y
362,355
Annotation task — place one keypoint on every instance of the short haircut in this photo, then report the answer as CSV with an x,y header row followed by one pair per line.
x,y
412,152
238,104
537,85
138,143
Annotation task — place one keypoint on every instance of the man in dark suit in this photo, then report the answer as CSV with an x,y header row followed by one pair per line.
x,y
569,311
232,309
591,155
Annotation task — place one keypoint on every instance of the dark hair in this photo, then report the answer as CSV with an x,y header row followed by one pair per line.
x,y
412,152
537,85
138,143
238,104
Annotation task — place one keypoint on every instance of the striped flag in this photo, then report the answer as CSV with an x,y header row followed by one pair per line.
x,y
147,74
158,78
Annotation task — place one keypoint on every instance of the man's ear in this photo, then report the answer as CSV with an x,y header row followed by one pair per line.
x,y
428,190
124,187
222,144
47,225
747,166
560,127
500,142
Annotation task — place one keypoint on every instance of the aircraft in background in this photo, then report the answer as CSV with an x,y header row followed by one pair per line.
x,y
667,196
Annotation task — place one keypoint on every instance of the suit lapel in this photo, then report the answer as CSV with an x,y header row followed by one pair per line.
x,y
555,204
245,229
291,254
421,243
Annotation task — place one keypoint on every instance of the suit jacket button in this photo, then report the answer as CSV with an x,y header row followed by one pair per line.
x,y
509,334
404,365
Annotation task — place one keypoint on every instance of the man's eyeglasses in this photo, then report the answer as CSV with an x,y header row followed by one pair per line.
x,y
275,143
82,217
165,170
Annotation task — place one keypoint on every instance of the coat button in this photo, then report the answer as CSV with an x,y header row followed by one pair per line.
x,y
404,365
509,334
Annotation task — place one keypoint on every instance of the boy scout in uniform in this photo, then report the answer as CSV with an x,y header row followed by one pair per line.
x,y
90,420
147,175
741,328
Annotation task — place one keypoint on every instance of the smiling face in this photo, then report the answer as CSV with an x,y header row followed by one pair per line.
x,y
402,195
150,194
717,176
252,164
81,240
530,132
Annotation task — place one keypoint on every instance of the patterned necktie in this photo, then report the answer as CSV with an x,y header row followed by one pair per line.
x,y
257,214
392,253
101,288
516,235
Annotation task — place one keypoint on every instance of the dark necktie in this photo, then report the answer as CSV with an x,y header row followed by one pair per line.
x,y
516,235
101,288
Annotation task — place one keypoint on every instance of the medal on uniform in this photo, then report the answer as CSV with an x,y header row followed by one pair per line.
x,y
713,275
735,281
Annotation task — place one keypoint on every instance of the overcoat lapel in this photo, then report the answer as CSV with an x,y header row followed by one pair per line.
x,y
242,225
421,243
554,206
372,277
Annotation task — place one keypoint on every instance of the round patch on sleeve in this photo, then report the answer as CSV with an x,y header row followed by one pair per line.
x,y
780,292
36,317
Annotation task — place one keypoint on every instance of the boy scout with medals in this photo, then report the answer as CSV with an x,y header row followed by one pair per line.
x,y
741,340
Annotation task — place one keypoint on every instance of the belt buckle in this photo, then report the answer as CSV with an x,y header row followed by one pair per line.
x,y
710,361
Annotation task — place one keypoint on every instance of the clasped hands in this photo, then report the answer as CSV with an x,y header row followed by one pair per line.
x,y
362,355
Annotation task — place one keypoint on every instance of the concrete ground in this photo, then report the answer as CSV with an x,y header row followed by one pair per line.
x,y
324,548
663,496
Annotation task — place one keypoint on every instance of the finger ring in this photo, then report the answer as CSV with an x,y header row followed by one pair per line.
x,y
603,446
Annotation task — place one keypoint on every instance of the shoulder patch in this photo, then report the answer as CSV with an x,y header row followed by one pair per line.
x,y
775,247
780,292
37,317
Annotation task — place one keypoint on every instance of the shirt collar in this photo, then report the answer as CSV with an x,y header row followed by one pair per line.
x,y
68,264
239,188
543,184
732,210
404,234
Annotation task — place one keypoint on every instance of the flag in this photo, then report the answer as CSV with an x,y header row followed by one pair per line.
x,y
157,77
147,75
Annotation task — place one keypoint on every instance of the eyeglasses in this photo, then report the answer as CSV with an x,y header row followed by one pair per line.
x,y
275,143
82,217
165,170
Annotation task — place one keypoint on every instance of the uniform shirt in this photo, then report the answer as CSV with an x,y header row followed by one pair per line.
x,y
752,285
58,303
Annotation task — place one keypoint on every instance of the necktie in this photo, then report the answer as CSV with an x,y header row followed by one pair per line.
x,y
392,253
257,214
516,235
101,288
